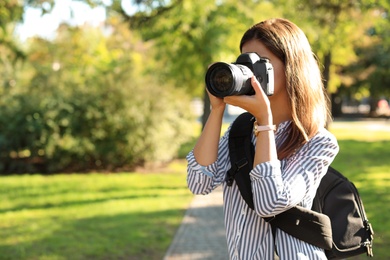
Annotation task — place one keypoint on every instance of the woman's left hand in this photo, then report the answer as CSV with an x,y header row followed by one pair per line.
x,y
258,104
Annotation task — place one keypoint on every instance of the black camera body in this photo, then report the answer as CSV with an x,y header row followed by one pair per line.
x,y
224,79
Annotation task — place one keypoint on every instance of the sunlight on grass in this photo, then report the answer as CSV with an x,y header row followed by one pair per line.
x,y
361,130
95,216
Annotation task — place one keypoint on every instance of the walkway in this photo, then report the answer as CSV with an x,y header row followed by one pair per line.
x,y
202,232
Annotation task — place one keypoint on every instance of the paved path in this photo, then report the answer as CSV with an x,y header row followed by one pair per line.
x,y
202,232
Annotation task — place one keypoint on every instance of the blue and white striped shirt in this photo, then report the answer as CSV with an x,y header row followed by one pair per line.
x,y
276,186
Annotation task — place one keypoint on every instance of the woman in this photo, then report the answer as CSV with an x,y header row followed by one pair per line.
x,y
289,162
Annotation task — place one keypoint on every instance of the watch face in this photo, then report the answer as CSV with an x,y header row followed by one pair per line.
x,y
255,132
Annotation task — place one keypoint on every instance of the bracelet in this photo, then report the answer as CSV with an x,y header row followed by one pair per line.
x,y
259,128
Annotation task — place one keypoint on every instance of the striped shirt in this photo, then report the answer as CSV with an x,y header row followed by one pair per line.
x,y
276,186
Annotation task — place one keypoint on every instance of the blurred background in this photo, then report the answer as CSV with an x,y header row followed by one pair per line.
x,y
106,84
115,89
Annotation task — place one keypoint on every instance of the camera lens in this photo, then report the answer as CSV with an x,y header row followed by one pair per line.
x,y
222,78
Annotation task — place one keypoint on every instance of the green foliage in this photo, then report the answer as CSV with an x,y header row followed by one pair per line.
x,y
95,98
190,35
334,29
88,105
10,11
195,34
373,67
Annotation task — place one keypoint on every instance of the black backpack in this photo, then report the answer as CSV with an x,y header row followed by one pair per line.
x,y
337,221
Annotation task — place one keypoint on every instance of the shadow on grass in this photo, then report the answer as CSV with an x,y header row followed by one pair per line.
x,y
120,236
80,202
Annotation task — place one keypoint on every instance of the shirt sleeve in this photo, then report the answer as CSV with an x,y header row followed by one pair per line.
x,y
204,179
280,185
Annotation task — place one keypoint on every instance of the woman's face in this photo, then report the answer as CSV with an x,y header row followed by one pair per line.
x,y
279,70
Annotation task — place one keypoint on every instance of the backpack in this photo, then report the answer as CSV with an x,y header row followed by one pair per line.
x,y
337,221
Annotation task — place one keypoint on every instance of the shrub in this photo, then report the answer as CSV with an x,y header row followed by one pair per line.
x,y
88,104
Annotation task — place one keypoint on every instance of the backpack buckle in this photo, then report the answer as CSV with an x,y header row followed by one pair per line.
x,y
241,163
235,168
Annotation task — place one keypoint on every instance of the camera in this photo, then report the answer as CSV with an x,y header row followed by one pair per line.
x,y
224,79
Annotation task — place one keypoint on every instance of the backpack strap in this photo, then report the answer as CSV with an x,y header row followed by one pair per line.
x,y
242,153
312,227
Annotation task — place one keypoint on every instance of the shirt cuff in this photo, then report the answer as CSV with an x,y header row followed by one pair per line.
x,y
206,170
266,169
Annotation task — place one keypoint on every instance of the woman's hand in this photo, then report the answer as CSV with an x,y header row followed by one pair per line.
x,y
216,102
258,105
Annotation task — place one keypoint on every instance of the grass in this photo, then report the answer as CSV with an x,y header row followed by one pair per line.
x,y
97,216
135,215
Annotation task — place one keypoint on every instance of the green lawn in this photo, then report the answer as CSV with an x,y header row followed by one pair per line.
x,y
95,216
135,215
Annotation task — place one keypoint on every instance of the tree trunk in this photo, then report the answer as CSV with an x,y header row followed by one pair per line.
x,y
326,72
335,105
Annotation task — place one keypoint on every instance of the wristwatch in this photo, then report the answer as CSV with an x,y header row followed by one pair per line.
x,y
260,128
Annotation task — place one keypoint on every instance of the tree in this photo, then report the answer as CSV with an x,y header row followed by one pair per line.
x,y
85,102
369,75
11,51
190,35
11,13
334,29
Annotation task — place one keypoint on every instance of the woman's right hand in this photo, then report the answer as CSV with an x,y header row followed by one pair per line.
x,y
216,102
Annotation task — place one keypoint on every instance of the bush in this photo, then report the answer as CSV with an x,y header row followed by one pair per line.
x,y
89,108
122,127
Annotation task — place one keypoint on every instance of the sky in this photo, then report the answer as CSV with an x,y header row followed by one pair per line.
x,y
74,13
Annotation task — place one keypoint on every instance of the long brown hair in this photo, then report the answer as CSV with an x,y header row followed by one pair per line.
x,y
308,101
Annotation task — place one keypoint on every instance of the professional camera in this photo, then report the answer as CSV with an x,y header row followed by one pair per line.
x,y
224,79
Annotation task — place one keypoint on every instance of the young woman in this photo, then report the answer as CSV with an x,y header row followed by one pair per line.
x,y
289,162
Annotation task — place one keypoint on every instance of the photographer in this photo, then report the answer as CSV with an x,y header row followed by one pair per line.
x,y
292,148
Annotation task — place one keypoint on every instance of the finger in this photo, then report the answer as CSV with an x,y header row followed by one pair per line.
x,y
256,84
240,101
257,87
